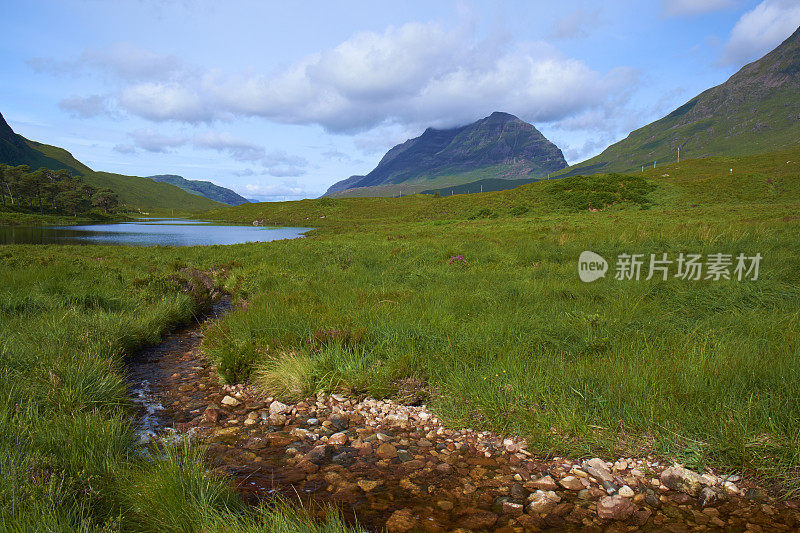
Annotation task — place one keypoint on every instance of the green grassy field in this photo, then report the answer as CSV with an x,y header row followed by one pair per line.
x,y
512,340
705,372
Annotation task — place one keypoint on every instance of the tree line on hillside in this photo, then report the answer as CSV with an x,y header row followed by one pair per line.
x,y
52,191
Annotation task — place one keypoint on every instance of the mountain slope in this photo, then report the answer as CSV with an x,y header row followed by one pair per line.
x,y
755,111
146,194
17,150
133,191
498,146
203,188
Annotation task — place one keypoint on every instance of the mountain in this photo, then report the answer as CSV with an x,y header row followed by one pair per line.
x,y
133,191
498,146
17,150
757,110
203,188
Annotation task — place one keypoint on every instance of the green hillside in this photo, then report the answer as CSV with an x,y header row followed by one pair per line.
x,y
203,188
146,194
756,110
134,192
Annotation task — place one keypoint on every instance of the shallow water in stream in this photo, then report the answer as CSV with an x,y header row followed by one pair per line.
x,y
402,476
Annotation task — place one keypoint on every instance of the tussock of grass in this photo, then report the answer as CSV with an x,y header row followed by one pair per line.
x,y
286,375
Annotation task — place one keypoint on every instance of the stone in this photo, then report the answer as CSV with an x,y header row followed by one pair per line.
x,y
230,401
386,451
596,468
368,485
512,508
682,480
610,487
401,521
339,422
651,499
543,483
338,439
541,502
572,483
445,505
319,454
212,415
709,496
626,492
615,508
444,468
278,408
642,516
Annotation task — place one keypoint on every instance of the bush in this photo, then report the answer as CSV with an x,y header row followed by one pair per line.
x,y
484,213
519,210
581,193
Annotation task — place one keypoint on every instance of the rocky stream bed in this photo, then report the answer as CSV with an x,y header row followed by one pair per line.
x,y
398,468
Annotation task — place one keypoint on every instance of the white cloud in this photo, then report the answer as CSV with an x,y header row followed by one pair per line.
x,y
85,107
160,102
576,24
121,60
415,75
239,149
276,163
760,30
126,149
676,8
152,141
267,192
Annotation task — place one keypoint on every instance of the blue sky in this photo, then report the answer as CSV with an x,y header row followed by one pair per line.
x,y
281,99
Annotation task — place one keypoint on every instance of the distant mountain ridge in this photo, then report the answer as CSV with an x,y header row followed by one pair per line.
x,y
203,188
498,146
756,110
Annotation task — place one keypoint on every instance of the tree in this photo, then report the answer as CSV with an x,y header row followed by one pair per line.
x,y
106,199
74,201
3,183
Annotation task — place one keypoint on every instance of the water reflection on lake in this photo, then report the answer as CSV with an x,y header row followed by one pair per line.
x,y
146,232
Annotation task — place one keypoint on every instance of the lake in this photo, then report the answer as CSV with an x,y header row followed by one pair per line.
x,y
146,232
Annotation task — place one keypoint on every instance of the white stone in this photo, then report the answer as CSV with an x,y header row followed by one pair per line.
x,y
278,408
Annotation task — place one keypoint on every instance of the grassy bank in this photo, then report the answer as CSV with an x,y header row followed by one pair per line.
x,y
24,217
68,460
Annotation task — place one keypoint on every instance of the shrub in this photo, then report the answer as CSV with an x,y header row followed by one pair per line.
x,y
483,213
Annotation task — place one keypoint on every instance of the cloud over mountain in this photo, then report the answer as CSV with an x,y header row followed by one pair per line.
x,y
760,30
414,74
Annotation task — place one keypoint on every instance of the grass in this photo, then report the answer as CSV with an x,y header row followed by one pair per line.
x,y
509,339
68,460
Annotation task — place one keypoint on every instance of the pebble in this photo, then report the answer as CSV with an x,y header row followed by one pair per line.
x,y
230,401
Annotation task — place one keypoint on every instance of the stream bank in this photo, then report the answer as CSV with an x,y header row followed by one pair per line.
x,y
398,467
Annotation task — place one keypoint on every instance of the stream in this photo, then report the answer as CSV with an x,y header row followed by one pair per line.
x,y
398,468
